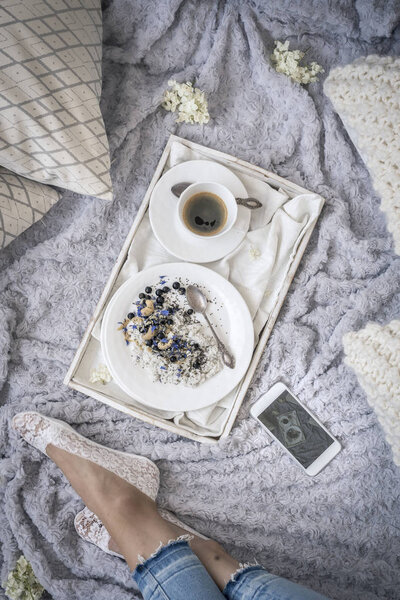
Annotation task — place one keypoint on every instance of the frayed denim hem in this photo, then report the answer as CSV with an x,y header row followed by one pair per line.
x,y
182,538
237,575
243,567
174,571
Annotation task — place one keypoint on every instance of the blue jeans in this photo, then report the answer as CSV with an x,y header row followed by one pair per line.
x,y
175,573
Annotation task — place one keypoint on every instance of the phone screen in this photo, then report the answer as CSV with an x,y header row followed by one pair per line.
x,y
295,428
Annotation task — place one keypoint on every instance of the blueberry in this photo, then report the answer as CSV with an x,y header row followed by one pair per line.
x,y
181,290
160,300
148,297
159,292
148,290
196,365
173,359
163,322
166,289
161,335
190,311
149,343
141,296
131,315
176,285
195,346
170,321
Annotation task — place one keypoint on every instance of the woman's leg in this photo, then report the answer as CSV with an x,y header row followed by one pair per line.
x,y
132,519
134,523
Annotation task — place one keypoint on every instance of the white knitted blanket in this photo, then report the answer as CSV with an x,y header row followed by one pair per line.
x,y
366,94
374,354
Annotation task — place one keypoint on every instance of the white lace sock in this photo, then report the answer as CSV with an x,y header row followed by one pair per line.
x,y
90,528
39,431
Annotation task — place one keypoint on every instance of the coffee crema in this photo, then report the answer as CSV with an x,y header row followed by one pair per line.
x,y
205,213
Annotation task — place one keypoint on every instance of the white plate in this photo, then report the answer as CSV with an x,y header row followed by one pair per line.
x,y
164,216
228,312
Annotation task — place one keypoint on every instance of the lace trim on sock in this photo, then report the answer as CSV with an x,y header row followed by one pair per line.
x,y
182,538
40,431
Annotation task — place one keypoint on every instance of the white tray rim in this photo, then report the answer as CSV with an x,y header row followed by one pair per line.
x,y
240,165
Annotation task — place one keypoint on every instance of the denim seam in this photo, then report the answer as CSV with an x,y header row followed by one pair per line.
x,y
236,585
158,587
142,561
268,597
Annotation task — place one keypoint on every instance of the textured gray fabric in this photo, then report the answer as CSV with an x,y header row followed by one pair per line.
x,y
338,532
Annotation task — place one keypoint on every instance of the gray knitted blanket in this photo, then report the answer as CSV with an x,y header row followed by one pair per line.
x,y
338,532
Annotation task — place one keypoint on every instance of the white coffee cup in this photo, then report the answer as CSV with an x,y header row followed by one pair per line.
x,y
217,189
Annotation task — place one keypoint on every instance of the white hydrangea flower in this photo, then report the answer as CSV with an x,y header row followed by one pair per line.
x,y
287,62
170,101
21,582
190,102
101,374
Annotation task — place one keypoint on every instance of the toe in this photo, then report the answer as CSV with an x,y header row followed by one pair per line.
x,y
30,425
19,422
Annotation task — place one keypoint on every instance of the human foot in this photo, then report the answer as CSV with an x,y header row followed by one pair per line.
x,y
91,529
78,457
105,479
129,515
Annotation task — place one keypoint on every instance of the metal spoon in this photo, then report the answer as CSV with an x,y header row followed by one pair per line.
x,y
251,203
198,302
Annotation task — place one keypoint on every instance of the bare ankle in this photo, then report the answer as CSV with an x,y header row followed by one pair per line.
x,y
210,546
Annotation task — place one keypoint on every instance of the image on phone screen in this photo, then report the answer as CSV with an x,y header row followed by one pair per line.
x,y
295,428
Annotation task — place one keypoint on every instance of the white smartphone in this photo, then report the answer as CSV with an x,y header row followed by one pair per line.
x,y
306,440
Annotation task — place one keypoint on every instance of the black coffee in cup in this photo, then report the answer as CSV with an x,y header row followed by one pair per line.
x,y
205,213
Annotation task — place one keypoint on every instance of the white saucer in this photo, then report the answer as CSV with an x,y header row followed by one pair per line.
x,y
164,217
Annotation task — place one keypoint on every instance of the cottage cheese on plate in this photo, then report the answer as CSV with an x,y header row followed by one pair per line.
x,y
166,337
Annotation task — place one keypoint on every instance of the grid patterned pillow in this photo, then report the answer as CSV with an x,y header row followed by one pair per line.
x,y
51,128
22,203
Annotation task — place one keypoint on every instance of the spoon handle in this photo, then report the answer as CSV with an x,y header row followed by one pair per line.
x,y
227,357
251,203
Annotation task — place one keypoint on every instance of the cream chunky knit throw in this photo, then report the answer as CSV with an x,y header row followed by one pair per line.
x,y
374,354
366,94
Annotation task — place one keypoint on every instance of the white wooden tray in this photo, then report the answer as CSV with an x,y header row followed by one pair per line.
x,y
141,413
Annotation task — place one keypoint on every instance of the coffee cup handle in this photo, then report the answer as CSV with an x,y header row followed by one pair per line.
x,y
251,203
